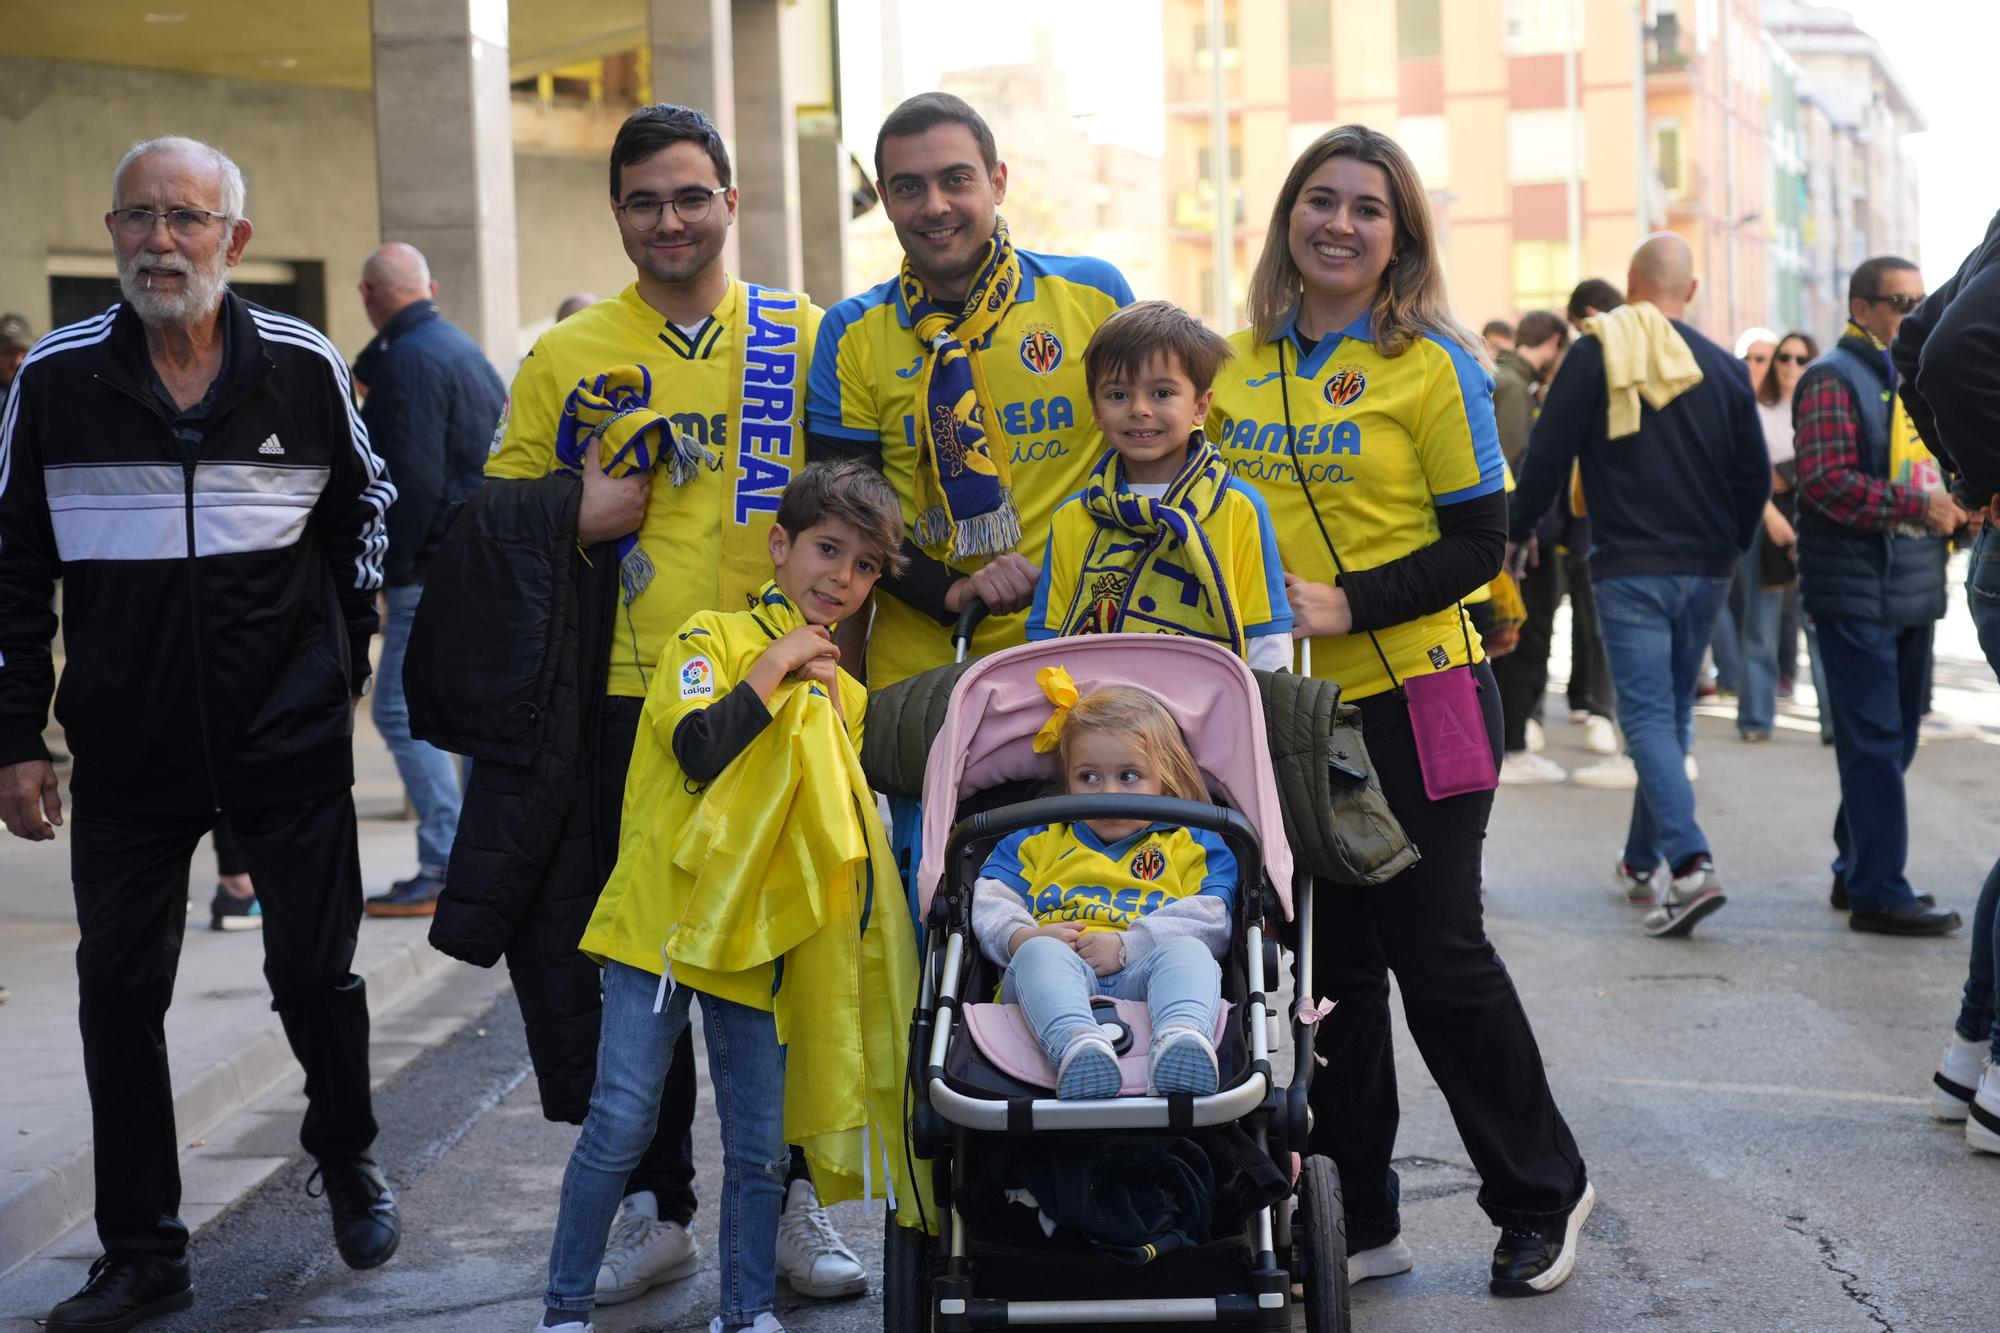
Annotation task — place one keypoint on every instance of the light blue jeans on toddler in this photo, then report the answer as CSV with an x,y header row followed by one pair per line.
x,y
1179,981
746,1065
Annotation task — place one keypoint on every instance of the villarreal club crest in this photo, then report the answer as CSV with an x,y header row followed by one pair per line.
x,y
1041,350
1345,386
1149,864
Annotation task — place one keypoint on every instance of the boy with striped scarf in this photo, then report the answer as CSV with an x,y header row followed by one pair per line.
x,y
1162,540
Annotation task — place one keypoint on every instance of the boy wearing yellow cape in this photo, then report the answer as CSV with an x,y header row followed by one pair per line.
x,y
754,874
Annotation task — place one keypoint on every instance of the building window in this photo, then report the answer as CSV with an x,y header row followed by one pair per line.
x,y
1311,32
1427,142
1232,55
1419,30
1539,146
1542,27
1667,159
1544,275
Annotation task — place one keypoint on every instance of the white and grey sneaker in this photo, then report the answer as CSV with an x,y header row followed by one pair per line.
x,y
1982,1121
1537,738
1599,735
765,1323
643,1252
1957,1078
1689,898
1381,1261
1183,1060
572,1326
1639,890
811,1254
1613,774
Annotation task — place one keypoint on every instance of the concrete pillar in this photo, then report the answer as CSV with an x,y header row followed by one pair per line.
x,y
767,148
823,210
444,157
693,64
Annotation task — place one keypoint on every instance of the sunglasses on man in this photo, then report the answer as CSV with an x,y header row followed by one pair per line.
x,y
1902,304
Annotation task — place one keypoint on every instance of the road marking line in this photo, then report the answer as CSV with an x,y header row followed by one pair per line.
x,y
1767,1090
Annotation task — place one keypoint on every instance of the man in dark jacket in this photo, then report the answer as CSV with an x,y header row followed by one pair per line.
x,y
1874,516
433,400
191,467
1950,347
1673,504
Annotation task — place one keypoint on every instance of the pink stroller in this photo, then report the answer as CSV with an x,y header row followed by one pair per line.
x,y
981,1094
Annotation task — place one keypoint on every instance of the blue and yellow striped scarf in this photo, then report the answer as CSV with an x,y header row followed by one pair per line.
x,y
965,500
1150,567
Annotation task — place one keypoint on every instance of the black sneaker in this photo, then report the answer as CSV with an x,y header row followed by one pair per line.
x,y
229,912
415,896
366,1227
123,1289
1533,1263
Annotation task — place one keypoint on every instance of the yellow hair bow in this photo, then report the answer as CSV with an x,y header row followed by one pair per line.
x,y
1060,690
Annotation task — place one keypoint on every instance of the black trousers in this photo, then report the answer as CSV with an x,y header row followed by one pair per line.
x,y
1426,927
668,1165
130,874
1523,674
1589,670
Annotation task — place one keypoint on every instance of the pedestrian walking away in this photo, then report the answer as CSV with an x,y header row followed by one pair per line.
x,y
223,523
432,403
1662,427
1352,337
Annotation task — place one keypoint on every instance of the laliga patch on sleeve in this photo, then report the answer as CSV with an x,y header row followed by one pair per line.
x,y
1439,657
697,679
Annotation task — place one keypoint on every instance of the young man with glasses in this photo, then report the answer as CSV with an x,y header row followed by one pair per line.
x,y
684,529
1874,519
191,466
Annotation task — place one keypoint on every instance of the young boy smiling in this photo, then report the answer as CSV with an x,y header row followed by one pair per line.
x,y
746,871
1162,540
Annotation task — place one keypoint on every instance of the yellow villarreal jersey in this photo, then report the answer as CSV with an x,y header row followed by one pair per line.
x,y
864,388
1067,875
1383,441
699,379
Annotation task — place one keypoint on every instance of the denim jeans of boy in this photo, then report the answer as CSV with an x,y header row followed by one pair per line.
x,y
429,775
1656,627
1757,641
1979,1016
1179,981
747,1068
1875,680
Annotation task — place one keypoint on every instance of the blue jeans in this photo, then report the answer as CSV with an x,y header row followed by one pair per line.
x,y
1179,981
1979,1016
747,1068
429,775
1656,627
1757,638
1875,677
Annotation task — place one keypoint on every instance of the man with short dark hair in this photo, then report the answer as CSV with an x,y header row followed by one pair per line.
x,y
1499,336
1874,518
217,524
1665,428
432,401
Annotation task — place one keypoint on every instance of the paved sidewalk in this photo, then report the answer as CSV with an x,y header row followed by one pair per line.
x,y
226,1044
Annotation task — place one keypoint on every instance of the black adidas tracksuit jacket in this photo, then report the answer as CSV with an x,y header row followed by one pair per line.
x,y
217,602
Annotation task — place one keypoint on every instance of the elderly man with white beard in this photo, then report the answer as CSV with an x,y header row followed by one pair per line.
x,y
191,466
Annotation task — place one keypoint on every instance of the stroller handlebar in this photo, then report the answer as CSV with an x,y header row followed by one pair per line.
x,y
975,611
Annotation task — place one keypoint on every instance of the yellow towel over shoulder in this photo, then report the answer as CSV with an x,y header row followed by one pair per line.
x,y
1644,357
774,887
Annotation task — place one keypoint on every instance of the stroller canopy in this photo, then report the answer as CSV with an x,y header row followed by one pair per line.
x,y
989,730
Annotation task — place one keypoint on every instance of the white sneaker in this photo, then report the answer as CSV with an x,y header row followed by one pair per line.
x,y
764,1323
643,1252
1613,774
1957,1078
1690,897
1537,741
1525,768
1982,1123
571,1327
1639,890
1382,1261
811,1254
1599,736
1183,1060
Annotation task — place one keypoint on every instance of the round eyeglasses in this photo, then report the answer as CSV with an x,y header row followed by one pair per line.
x,y
688,206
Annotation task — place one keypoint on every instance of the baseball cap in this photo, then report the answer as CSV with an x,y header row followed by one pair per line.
x,y
14,332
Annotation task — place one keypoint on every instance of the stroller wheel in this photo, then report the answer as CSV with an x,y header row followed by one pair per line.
x,y
906,1278
1319,1247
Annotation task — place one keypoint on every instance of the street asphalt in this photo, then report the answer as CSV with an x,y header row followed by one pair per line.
x,y
1751,1103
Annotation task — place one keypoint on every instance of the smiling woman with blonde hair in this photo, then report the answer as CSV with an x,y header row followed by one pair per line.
x,y
1362,411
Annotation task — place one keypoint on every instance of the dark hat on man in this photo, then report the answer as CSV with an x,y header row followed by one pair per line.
x,y
15,333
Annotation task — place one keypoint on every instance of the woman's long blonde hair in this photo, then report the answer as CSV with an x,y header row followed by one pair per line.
x,y
1121,710
1412,300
